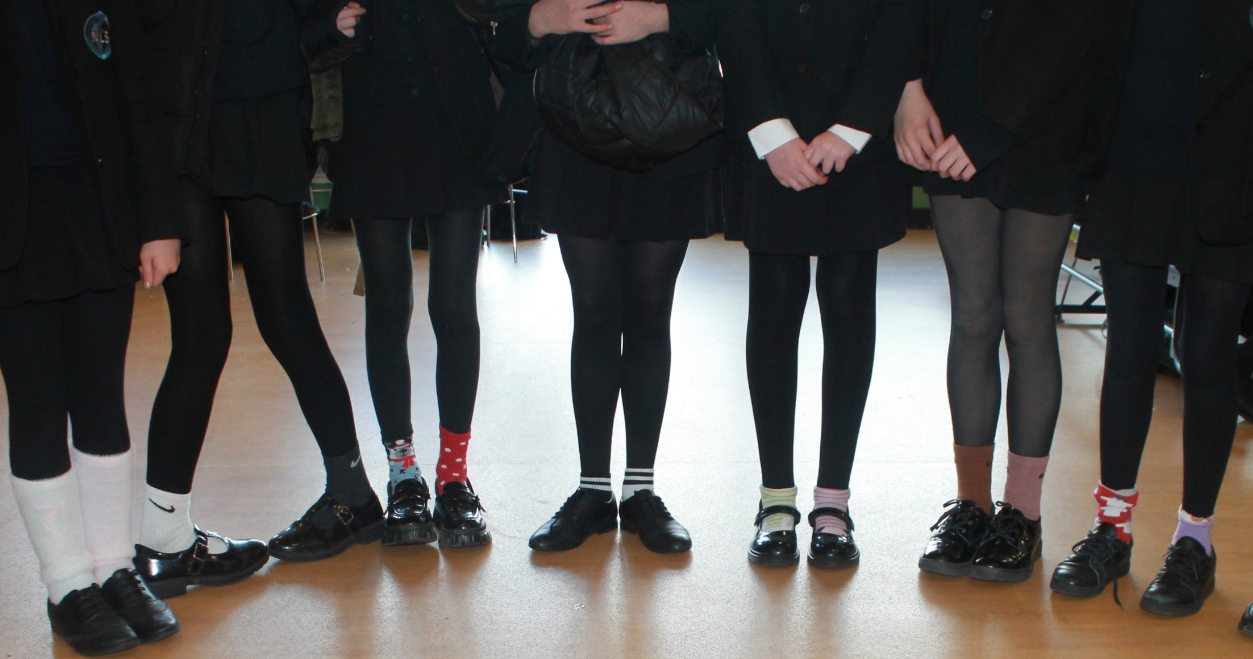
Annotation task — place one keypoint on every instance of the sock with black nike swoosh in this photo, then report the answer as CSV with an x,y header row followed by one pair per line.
x,y
166,525
346,479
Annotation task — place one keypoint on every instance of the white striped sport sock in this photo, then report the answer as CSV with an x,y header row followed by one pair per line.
x,y
636,480
825,497
602,484
781,497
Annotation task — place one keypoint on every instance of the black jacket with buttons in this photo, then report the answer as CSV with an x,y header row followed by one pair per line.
x,y
115,113
1222,117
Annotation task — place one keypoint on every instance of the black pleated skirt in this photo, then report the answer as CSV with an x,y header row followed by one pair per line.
x,y
257,148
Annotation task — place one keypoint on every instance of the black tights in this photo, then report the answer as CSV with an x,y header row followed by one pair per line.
x,y
65,359
387,262
1208,341
778,293
623,292
1002,271
269,240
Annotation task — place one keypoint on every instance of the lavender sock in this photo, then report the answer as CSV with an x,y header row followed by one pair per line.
x,y
1197,528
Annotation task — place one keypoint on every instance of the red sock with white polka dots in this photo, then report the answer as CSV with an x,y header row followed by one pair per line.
x,y
452,458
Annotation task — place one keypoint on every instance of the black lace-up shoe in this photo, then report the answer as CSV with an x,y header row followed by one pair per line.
x,y
169,574
775,548
831,551
408,519
645,515
586,513
1183,583
1097,560
1011,548
90,626
1246,622
151,618
327,529
459,517
955,538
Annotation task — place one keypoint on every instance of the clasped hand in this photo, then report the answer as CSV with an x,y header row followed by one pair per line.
x,y
801,166
920,140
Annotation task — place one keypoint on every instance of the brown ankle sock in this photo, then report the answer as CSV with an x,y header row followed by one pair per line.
x,y
974,474
1024,480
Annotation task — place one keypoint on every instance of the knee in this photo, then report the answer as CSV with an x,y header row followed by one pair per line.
x,y
597,318
1030,328
208,338
977,322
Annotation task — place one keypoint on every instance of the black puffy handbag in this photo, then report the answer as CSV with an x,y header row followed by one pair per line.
x,y
631,106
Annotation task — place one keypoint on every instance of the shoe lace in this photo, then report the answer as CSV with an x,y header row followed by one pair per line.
x,y
1099,550
94,605
461,498
1010,528
1183,562
132,590
576,504
410,492
958,521
653,507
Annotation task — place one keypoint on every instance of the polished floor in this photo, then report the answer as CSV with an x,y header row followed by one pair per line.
x,y
611,598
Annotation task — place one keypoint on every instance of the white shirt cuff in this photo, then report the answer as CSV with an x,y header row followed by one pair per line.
x,y
854,137
772,135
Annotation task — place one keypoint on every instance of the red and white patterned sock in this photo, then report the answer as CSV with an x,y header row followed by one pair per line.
x,y
825,497
1115,506
452,458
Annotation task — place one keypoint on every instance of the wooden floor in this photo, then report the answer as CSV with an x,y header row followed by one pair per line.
x,y
611,598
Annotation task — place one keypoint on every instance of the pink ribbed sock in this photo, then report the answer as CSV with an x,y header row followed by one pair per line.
x,y
1024,479
825,497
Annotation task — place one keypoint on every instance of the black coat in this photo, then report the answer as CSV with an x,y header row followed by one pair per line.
x,y
134,173
1222,119
831,62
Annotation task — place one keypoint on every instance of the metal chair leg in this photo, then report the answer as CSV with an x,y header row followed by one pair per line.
x,y
317,242
230,259
513,222
487,223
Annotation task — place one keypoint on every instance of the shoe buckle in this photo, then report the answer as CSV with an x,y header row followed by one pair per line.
x,y
344,515
199,555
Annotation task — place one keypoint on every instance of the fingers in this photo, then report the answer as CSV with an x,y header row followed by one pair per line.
x,y
968,172
937,132
902,152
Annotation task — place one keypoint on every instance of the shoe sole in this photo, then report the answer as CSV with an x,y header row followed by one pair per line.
x,y
945,568
112,649
1002,575
833,564
410,534
774,561
609,526
367,535
630,528
178,587
1176,611
1087,592
464,540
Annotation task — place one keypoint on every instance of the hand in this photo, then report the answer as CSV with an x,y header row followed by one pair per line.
x,y
349,18
638,19
917,127
951,161
569,16
159,259
789,164
829,151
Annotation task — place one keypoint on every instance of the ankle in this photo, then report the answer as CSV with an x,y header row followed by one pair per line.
x,y
1115,507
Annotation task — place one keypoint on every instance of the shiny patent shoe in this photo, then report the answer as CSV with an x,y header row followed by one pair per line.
x,y
89,625
955,538
459,517
1097,560
831,551
1246,622
408,519
151,618
584,514
775,548
645,515
1011,548
327,529
1183,583
168,574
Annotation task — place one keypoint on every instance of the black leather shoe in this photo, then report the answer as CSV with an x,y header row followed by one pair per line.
x,y
584,514
459,517
1246,622
1183,583
776,548
169,574
645,515
830,551
1099,559
1011,548
151,618
955,538
327,529
90,626
408,520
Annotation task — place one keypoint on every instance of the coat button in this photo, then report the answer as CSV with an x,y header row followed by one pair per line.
x,y
804,7
987,14
802,68
404,18
414,92
1206,75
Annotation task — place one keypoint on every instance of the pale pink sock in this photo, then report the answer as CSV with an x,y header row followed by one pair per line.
x,y
825,497
1024,479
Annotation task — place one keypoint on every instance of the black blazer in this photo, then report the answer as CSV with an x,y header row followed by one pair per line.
x,y
1038,66
1222,118
134,173
833,62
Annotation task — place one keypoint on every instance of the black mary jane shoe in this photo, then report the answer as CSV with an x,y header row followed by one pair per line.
x,y
775,548
168,574
645,515
151,618
1183,583
408,519
89,625
459,517
1096,561
955,538
584,514
828,550
1011,548
1246,622
327,529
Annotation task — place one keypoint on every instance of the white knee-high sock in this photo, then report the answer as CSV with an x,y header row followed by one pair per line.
x,y
54,523
105,487
167,526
